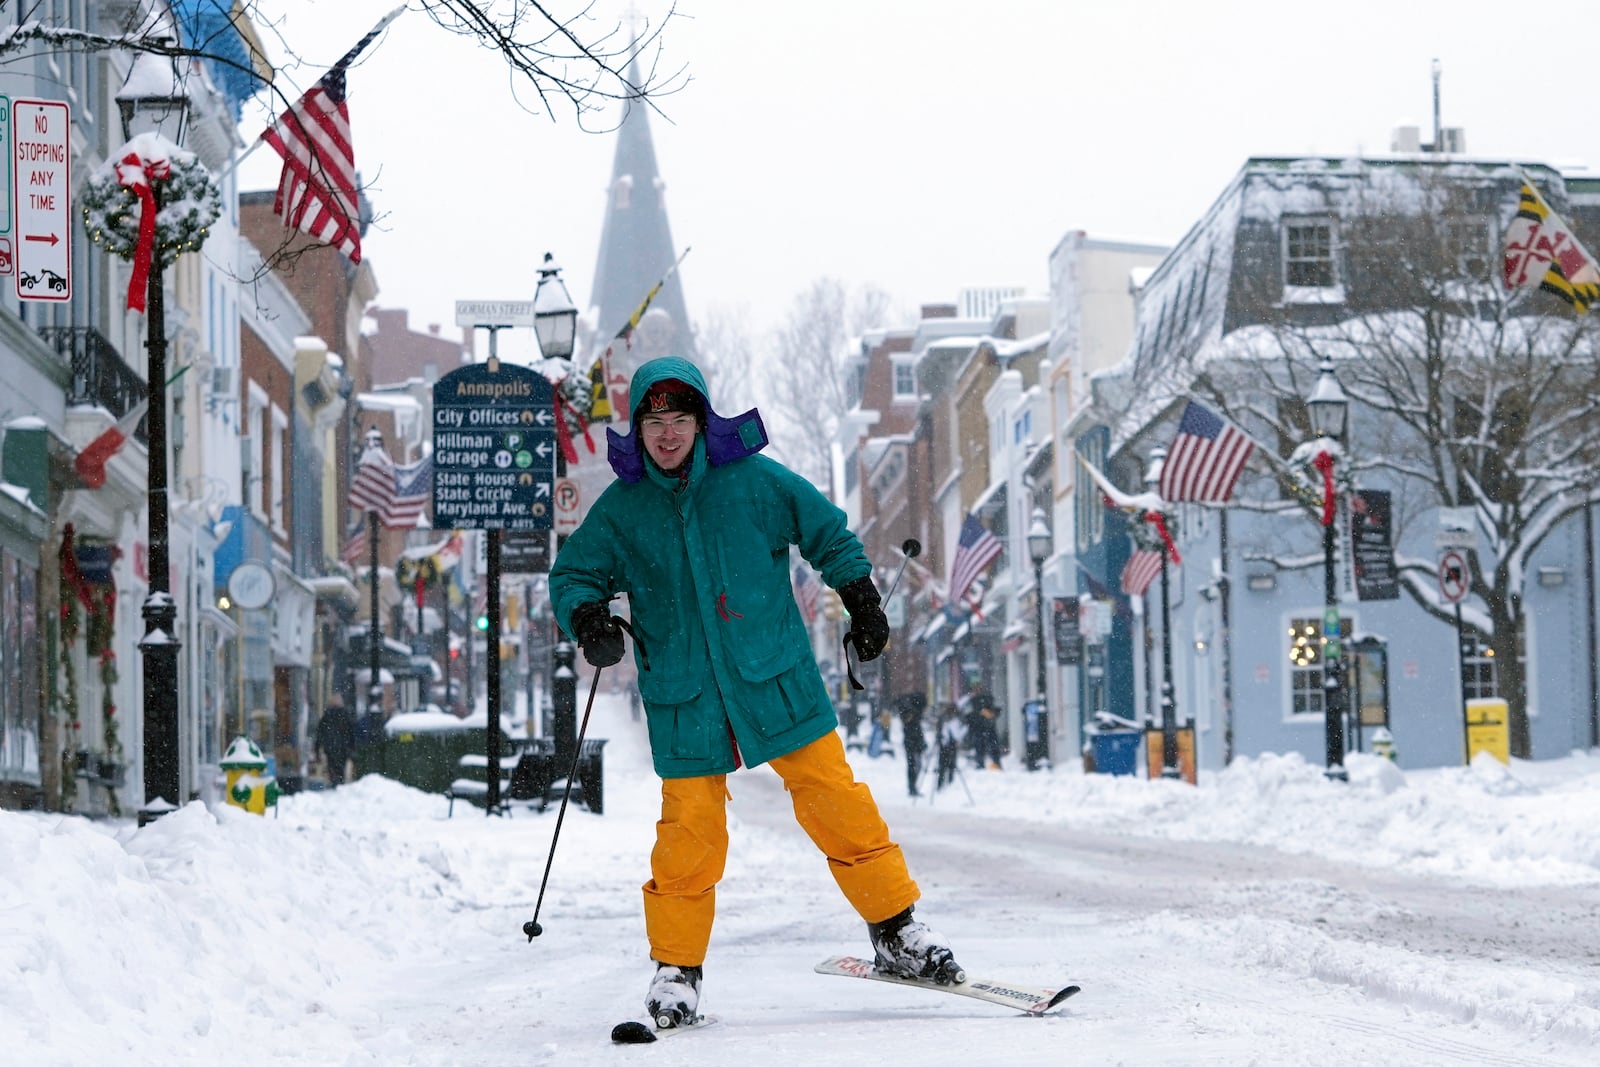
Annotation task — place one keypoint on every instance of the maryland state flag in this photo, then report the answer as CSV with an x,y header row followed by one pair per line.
x,y
1541,251
600,400
610,395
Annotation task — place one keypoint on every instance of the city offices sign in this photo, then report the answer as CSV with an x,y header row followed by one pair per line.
x,y
494,448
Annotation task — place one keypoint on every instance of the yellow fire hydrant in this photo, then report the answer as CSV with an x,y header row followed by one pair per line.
x,y
1383,743
249,786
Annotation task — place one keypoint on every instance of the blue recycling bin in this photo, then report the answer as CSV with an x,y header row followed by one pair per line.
x,y
1117,752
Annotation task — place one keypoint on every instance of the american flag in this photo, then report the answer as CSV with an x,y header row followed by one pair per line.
x,y
1140,570
413,491
317,189
1205,460
372,489
355,544
976,549
807,590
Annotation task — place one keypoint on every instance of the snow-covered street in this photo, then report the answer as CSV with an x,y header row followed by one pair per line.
x,y
1438,917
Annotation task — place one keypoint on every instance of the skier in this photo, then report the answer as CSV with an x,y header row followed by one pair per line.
x,y
696,530
952,731
911,706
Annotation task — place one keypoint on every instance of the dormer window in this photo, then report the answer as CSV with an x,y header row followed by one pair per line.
x,y
905,379
1308,246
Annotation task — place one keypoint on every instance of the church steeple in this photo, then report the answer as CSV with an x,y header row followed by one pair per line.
x,y
636,249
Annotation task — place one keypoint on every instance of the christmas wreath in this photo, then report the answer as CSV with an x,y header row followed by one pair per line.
x,y
149,172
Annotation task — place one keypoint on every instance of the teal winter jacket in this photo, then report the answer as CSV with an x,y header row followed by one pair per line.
x,y
705,566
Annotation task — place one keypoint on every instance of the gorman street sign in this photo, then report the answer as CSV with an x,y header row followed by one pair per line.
x,y
494,448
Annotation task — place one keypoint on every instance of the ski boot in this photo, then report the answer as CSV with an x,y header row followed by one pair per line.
x,y
907,948
674,996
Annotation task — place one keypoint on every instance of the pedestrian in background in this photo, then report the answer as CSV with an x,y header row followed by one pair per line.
x,y
336,738
985,730
911,707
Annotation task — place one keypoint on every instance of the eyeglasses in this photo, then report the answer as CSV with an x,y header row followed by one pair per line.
x,y
681,426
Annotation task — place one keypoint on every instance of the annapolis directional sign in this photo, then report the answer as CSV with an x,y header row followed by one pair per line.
x,y
494,448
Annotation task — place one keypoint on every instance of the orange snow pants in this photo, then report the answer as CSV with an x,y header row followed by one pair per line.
x,y
835,810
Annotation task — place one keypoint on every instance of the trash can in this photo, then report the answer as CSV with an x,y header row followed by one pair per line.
x,y
1117,752
423,749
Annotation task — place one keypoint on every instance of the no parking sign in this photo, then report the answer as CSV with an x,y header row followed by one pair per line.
x,y
1453,576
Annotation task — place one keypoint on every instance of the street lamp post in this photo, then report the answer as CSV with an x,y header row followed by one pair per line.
x,y
1169,702
555,321
1039,547
1328,408
153,99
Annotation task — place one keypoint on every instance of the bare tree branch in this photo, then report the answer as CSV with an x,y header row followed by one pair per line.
x,y
807,388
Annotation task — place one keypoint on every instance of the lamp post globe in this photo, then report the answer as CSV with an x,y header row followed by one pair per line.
x,y
1327,406
153,100
555,316
1328,409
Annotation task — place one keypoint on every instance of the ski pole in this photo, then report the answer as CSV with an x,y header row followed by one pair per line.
x,y
532,927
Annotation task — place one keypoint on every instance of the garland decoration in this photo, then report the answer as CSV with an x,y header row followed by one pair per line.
x,y
79,595
119,195
67,696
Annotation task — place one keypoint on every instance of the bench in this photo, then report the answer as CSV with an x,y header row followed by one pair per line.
x,y
473,785
536,778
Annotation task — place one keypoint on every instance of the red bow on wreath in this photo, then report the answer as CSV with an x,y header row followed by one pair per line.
x,y
136,173
1156,519
1324,463
564,432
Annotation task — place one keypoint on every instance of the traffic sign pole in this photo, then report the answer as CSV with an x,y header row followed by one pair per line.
x,y
1454,580
493,465
1461,674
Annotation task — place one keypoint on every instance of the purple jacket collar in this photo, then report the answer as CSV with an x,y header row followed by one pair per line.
x,y
726,440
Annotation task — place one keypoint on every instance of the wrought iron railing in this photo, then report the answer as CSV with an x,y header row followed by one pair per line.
x,y
99,373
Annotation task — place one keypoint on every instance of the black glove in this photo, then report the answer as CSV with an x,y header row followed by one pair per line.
x,y
598,634
869,627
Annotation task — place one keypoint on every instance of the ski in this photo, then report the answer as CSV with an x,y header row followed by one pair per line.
x,y
1031,999
637,1033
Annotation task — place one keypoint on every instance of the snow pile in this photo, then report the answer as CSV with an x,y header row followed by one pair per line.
x,y
361,927
1531,823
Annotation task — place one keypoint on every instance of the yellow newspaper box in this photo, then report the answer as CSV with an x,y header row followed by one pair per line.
x,y
1489,728
1153,742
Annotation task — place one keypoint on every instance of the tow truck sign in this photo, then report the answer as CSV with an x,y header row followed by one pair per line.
x,y
41,192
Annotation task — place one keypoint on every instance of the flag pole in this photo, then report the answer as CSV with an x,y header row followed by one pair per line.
x,y
627,328
344,61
